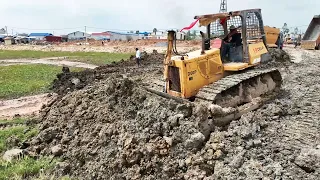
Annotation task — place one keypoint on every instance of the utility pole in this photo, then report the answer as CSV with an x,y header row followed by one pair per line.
x,y
6,30
85,33
215,26
223,6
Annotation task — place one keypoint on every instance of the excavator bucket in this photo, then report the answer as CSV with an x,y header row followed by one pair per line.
x,y
311,39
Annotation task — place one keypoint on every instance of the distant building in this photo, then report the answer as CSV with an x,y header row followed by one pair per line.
x,y
9,40
39,36
78,35
144,35
101,36
53,38
64,38
163,35
2,38
21,39
118,36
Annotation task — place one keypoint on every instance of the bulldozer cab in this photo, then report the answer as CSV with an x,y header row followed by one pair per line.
x,y
250,29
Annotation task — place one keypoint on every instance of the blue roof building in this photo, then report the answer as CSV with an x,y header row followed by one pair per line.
x,y
40,34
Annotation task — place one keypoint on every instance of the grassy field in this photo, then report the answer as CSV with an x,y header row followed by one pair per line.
x,y
97,58
20,131
27,166
20,80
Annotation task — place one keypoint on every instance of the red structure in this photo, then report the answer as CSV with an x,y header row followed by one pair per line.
x,y
53,38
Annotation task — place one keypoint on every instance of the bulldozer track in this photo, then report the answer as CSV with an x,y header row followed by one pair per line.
x,y
210,92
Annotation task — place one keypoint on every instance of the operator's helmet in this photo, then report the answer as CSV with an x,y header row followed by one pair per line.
x,y
232,27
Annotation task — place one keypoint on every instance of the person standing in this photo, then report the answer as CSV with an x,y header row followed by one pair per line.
x,y
280,41
298,41
138,57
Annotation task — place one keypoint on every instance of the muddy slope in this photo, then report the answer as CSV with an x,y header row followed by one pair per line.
x,y
113,129
116,130
69,81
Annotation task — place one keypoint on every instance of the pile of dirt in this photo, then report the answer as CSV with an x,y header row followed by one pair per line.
x,y
69,81
279,55
279,59
116,130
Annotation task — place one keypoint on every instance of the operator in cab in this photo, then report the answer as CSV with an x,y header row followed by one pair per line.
x,y
233,39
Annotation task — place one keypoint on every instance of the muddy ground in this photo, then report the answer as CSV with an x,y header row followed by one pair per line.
x,y
104,125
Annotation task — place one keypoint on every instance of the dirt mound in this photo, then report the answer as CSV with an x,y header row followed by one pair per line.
x,y
279,55
117,130
114,129
69,81
279,58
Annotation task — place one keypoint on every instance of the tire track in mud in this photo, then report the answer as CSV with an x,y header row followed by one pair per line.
x,y
301,130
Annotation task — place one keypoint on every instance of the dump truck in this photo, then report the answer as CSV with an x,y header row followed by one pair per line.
x,y
204,76
311,39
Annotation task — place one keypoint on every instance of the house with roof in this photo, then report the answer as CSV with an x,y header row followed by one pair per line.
x,y
78,35
39,36
101,36
122,36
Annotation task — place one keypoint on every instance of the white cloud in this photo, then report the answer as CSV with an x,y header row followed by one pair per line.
x,y
140,14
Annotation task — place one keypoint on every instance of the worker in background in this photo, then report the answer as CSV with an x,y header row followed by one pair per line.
x,y
138,57
233,39
298,41
280,40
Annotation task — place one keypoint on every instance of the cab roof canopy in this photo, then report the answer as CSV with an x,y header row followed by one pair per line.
x,y
205,20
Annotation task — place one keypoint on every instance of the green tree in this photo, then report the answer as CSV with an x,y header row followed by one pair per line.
x,y
188,36
155,30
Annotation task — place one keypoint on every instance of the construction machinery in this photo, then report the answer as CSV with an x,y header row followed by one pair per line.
x,y
311,39
272,34
202,76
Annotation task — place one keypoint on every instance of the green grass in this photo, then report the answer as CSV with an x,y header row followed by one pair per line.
x,y
21,132
12,122
98,58
20,80
25,167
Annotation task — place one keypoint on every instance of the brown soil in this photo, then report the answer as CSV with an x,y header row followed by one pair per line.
x,y
106,126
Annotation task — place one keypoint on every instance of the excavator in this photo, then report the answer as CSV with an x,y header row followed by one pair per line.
x,y
204,76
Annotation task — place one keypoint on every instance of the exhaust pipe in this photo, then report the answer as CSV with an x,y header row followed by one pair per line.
x,y
203,42
167,59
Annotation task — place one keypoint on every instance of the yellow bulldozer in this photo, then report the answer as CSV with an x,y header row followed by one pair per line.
x,y
203,76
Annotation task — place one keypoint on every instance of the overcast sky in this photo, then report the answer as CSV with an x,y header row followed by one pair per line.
x,y
58,15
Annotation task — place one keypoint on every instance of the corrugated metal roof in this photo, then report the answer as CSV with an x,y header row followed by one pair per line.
x,y
101,34
40,34
123,33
